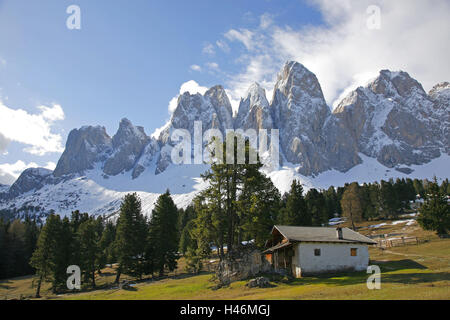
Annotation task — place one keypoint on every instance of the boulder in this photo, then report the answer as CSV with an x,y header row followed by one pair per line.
x,y
244,264
260,282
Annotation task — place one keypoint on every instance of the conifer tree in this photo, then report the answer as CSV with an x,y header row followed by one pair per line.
x,y
88,239
163,234
315,205
106,244
131,236
257,207
434,214
351,203
295,213
44,258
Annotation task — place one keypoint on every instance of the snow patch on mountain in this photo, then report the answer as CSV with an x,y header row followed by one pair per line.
x,y
370,170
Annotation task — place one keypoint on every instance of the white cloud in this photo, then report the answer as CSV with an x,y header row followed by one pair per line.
x,y
209,49
344,53
50,166
259,69
9,172
4,142
195,67
223,45
190,86
34,130
243,35
6,178
213,66
265,21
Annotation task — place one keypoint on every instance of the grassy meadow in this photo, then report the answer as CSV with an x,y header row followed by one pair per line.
x,y
410,272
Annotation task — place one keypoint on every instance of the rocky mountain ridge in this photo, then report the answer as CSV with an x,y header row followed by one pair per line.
x,y
391,119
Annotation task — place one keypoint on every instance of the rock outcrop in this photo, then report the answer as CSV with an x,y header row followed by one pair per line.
x,y
393,120
84,148
30,180
246,263
300,111
254,110
128,145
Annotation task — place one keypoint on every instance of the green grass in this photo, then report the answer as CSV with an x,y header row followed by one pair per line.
x,y
410,272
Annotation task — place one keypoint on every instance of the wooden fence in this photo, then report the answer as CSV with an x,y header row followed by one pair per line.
x,y
397,242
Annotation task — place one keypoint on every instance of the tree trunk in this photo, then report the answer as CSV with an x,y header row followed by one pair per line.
x,y
93,279
118,276
38,289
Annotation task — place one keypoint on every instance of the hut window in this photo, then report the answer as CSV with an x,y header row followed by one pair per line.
x,y
354,252
317,252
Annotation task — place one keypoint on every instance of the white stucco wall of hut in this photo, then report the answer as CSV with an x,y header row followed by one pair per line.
x,y
333,257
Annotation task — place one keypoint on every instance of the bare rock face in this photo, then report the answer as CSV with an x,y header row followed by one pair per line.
x,y
84,147
392,119
128,144
254,110
213,110
222,108
164,159
148,157
341,149
300,110
31,179
440,95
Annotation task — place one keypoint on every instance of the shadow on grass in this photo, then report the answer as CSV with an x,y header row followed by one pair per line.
x,y
354,278
4,284
179,276
415,278
397,265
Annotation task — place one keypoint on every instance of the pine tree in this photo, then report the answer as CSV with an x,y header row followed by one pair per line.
x,y
131,236
44,258
418,187
351,203
106,244
3,250
434,214
257,206
16,248
331,202
30,242
316,207
88,239
163,234
389,199
185,225
445,188
296,212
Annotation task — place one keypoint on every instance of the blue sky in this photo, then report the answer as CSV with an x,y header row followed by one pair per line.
x,y
130,58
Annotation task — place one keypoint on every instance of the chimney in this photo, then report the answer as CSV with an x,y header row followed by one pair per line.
x,y
339,233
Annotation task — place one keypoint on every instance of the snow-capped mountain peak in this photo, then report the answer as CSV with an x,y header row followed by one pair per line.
x,y
389,128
